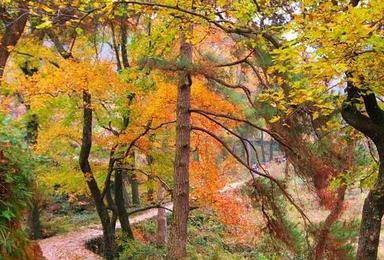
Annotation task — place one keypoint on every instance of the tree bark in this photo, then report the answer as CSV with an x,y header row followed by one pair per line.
x,y
14,29
109,239
124,52
161,218
115,47
120,203
178,236
34,224
372,214
111,205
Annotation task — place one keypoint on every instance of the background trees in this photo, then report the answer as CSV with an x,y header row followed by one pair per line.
x,y
134,91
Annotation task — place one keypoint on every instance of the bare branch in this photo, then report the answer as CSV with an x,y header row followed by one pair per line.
x,y
158,206
148,175
271,133
236,62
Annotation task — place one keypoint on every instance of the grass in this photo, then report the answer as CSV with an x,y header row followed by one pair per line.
x,y
65,223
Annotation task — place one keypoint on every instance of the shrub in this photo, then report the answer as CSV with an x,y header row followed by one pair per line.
x,y
16,166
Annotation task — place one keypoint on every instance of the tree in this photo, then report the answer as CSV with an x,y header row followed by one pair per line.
x,y
287,116
278,61
14,23
353,48
178,236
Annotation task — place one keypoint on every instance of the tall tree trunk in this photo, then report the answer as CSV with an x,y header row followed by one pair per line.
x,y
34,224
127,200
262,146
134,189
111,205
120,203
250,152
109,239
150,181
150,189
33,218
271,150
372,214
178,236
124,52
12,34
161,218
115,47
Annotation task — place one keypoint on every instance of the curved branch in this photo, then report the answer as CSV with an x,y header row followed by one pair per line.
x,y
372,107
356,118
148,175
246,90
74,33
236,62
271,133
146,130
158,206
228,29
242,139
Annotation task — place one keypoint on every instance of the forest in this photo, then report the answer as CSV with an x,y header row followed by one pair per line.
x,y
191,129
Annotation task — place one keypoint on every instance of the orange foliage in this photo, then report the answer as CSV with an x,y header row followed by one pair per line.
x,y
72,77
208,182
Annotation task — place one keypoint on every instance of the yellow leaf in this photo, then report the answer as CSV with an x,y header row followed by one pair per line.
x,y
274,119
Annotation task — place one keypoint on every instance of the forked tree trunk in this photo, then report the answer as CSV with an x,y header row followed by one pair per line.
x,y
108,235
161,218
178,236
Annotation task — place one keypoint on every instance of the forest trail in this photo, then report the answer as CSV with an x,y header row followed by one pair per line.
x,y
71,246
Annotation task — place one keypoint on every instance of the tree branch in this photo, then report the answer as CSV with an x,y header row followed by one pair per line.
x,y
286,194
271,133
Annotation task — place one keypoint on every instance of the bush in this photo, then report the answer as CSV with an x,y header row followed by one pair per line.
x,y
16,167
133,249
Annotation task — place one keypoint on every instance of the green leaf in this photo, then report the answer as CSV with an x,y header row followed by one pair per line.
x,y
44,25
7,214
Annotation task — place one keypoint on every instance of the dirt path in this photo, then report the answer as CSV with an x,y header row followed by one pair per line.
x,y
71,246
